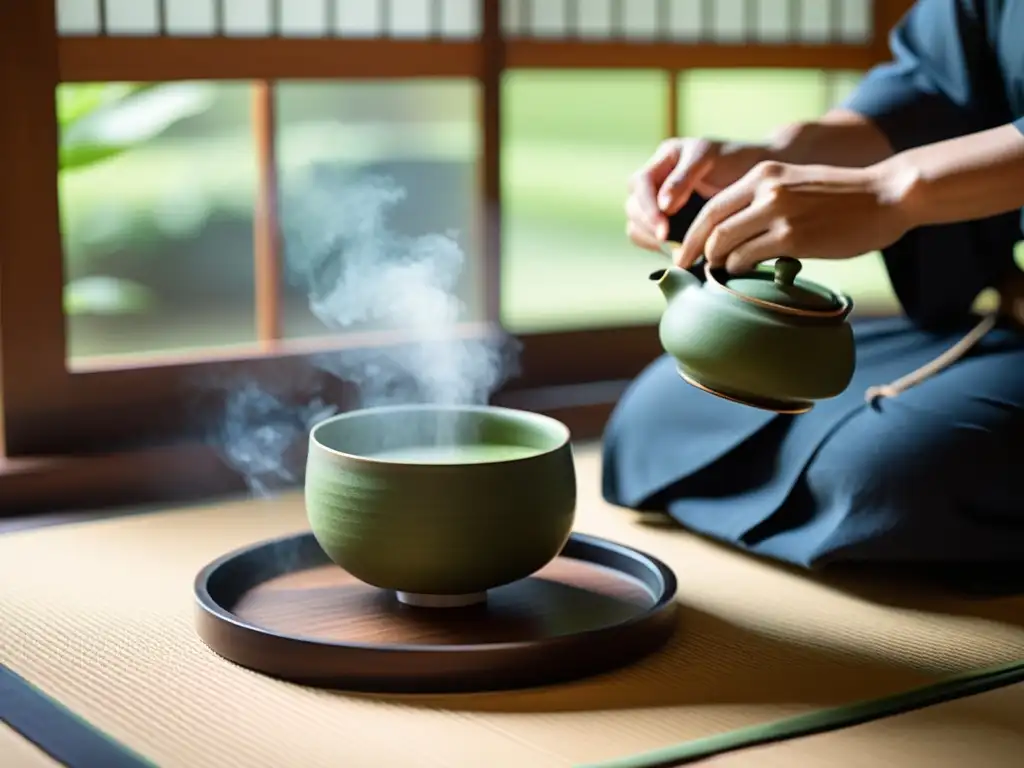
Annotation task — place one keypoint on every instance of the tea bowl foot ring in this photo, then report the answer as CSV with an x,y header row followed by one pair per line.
x,y
418,600
785,407
283,609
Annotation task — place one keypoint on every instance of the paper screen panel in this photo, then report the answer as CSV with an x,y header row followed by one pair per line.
x,y
719,21
417,19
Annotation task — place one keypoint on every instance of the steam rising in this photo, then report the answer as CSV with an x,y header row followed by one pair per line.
x,y
361,275
261,435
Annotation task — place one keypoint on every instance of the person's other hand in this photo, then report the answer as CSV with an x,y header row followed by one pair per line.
x,y
803,211
679,168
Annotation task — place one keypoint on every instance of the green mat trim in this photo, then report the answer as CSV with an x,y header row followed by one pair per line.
x,y
957,687
53,725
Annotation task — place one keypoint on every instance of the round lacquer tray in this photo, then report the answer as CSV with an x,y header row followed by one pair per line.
x,y
283,609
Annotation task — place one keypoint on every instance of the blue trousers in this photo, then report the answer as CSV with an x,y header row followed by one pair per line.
x,y
933,476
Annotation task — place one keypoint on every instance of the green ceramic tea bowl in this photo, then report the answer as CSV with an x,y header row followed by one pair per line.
x,y
440,504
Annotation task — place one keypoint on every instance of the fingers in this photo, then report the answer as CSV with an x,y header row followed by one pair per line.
x,y
767,245
760,189
637,229
696,159
743,226
645,184
642,237
729,202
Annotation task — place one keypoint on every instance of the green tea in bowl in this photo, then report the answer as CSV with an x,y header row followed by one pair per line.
x,y
440,504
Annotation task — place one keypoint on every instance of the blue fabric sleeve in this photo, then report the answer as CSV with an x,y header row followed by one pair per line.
x,y
932,89
1020,124
944,81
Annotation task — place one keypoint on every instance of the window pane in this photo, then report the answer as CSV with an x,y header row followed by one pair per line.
x,y
248,18
686,20
843,84
410,18
359,18
748,104
132,17
460,18
191,17
513,17
815,22
548,18
343,149
304,18
855,18
722,21
78,17
570,141
640,19
594,18
157,191
729,21
774,22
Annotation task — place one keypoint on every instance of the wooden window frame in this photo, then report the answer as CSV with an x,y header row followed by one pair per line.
x,y
51,411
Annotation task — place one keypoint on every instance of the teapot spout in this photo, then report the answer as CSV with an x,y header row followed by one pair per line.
x,y
674,280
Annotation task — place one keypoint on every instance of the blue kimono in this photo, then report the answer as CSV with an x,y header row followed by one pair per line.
x,y
933,477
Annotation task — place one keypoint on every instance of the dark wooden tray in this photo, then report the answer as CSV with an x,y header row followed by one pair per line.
x,y
283,609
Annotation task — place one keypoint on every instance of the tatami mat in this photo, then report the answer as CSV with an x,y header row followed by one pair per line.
x,y
15,752
99,616
985,731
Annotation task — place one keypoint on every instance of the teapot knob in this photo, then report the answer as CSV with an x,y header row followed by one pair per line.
x,y
786,270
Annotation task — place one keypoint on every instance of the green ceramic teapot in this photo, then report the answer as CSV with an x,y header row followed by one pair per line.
x,y
765,338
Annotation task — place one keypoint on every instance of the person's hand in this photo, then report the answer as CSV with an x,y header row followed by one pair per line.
x,y
679,168
803,211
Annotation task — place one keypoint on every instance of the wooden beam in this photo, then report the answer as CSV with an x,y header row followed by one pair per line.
x,y
887,14
551,54
672,106
266,225
32,355
492,52
94,59
142,59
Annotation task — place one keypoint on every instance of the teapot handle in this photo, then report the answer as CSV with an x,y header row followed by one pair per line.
x,y
679,222
678,225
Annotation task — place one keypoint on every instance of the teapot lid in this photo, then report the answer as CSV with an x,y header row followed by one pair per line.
x,y
779,287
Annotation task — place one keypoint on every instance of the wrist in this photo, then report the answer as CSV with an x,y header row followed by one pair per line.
x,y
750,154
901,187
784,145
840,138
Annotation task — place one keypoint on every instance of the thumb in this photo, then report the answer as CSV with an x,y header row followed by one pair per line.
x,y
693,165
